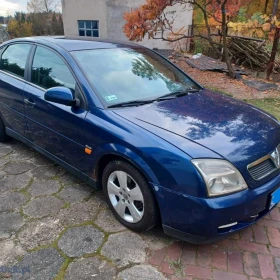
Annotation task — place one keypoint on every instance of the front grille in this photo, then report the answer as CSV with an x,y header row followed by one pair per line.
x,y
262,169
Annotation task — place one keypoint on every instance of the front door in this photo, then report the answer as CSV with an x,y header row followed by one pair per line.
x,y
56,128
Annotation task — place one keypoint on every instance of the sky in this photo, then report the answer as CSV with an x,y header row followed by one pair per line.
x,y
10,6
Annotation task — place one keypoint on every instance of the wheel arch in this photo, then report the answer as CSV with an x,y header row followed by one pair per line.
x,y
103,160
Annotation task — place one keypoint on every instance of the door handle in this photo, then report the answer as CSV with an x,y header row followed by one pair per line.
x,y
29,103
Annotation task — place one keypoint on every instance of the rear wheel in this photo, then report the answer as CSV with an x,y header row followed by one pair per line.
x,y
129,196
3,136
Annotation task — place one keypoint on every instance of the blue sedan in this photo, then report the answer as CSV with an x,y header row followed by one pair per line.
x,y
124,119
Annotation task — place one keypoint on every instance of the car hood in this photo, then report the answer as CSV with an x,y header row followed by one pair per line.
x,y
229,128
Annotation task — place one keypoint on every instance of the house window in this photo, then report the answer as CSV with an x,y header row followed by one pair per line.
x,y
88,28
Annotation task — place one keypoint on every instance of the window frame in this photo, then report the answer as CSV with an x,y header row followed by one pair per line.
x,y
85,29
29,71
32,61
26,70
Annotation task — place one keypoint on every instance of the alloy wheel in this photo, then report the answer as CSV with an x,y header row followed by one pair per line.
x,y
125,196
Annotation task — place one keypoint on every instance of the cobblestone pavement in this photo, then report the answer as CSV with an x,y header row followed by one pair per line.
x,y
53,226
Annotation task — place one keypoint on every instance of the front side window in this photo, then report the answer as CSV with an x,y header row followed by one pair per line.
x,y
128,74
88,28
49,70
14,59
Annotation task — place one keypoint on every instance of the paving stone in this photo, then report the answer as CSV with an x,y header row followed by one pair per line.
x,y
107,221
3,162
18,167
14,182
260,85
4,151
9,224
40,160
277,264
43,206
90,268
45,171
251,266
11,201
44,187
141,272
2,174
235,262
125,248
21,151
9,252
79,213
69,179
78,241
156,239
221,275
75,193
43,264
40,233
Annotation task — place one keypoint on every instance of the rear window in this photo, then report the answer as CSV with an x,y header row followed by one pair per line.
x,y
14,59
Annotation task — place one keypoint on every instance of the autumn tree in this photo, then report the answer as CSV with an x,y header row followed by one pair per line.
x,y
40,6
35,24
19,26
57,24
151,20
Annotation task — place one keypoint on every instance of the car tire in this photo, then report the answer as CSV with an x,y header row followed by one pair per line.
x,y
129,196
3,135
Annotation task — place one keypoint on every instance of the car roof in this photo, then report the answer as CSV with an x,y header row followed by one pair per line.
x,y
79,43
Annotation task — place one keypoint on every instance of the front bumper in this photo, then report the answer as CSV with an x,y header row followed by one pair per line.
x,y
199,220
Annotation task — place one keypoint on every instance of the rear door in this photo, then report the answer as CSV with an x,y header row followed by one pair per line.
x,y
56,128
12,81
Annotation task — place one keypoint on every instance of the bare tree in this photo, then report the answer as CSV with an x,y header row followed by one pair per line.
x,y
151,19
274,50
40,6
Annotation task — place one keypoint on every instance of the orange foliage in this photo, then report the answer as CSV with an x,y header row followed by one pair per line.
x,y
140,21
150,18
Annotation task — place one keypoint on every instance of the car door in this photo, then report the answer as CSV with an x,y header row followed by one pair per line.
x,y
12,73
58,129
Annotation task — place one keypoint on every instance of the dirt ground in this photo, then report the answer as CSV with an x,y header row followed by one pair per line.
x,y
221,82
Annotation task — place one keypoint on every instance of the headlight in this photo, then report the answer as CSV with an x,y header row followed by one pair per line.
x,y
220,176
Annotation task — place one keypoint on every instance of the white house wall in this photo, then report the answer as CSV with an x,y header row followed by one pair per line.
x,y
110,16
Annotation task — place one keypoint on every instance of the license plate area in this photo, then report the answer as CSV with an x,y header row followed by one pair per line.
x,y
275,198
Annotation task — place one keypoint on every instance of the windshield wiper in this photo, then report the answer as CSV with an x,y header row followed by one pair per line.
x,y
168,96
131,103
176,94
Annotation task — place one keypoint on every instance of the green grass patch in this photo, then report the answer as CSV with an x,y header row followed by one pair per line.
x,y
270,105
220,91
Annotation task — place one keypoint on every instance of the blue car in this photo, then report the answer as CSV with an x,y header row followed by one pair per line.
x,y
123,118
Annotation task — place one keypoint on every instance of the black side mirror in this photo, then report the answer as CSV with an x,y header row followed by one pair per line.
x,y
62,95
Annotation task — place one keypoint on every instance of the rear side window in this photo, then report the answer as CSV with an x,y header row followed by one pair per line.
x,y
49,70
14,59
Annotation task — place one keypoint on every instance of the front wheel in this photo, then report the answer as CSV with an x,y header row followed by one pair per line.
x,y
129,196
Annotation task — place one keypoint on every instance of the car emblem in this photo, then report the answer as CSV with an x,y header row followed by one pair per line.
x,y
276,156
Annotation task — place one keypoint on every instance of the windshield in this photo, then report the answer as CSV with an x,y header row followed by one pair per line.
x,y
124,74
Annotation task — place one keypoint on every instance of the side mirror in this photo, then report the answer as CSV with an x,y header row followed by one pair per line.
x,y
61,95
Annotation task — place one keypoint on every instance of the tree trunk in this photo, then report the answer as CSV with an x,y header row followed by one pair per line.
x,y
271,62
225,47
209,38
265,6
275,7
273,53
